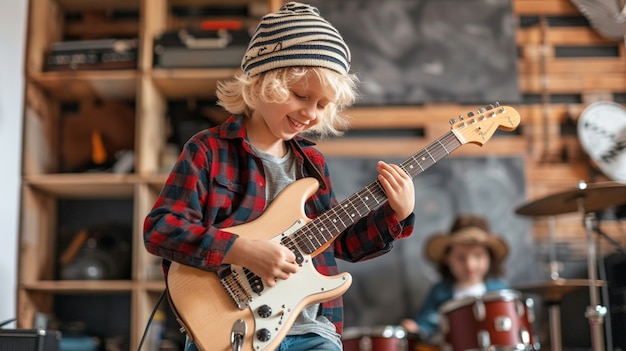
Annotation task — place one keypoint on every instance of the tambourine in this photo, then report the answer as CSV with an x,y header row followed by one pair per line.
x,y
602,134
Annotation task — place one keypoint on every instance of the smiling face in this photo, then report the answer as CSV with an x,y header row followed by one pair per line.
x,y
272,123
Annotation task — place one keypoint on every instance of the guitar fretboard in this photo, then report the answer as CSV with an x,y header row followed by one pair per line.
x,y
327,226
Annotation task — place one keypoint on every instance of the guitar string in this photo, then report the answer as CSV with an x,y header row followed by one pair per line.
x,y
361,204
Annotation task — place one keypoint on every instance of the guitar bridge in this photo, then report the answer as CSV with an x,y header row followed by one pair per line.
x,y
234,284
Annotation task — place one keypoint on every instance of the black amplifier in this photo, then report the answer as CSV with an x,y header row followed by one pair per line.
x,y
200,48
29,340
98,54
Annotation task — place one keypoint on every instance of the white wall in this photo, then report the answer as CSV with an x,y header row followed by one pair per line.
x,y
12,41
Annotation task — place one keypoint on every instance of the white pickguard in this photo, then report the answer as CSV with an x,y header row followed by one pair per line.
x,y
289,296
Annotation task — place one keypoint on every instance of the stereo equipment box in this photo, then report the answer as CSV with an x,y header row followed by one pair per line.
x,y
99,54
29,340
200,48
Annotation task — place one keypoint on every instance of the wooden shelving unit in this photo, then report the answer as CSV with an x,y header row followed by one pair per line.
x,y
541,141
46,188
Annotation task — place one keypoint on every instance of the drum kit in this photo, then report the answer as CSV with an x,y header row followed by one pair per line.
x,y
496,320
586,199
382,338
503,320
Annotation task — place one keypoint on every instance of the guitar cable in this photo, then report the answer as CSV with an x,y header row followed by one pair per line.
x,y
2,324
154,310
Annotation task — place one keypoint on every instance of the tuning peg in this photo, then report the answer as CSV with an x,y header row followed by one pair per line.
x,y
460,117
470,114
452,121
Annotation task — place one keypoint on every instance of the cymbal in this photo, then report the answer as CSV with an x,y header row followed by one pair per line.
x,y
595,197
554,290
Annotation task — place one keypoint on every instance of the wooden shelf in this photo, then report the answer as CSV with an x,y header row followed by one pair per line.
x,y
83,287
68,86
155,180
99,4
156,286
44,217
184,83
79,185
211,2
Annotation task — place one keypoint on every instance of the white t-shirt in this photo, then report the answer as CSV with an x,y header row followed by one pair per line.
x,y
470,291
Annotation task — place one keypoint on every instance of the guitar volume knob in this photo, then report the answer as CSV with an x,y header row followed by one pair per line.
x,y
264,311
263,335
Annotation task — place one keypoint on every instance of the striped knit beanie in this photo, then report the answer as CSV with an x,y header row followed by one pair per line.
x,y
296,35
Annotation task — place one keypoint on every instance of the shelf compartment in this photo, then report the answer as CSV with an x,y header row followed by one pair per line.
x,y
156,181
207,2
52,21
81,85
81,185
155,286
107,317
98,4
80,286
185,83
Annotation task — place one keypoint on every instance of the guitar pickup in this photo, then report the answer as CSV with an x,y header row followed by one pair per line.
x,y
292,246
256,284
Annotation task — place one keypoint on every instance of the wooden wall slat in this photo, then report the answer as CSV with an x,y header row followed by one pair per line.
x,y
544,7
567,66
560,36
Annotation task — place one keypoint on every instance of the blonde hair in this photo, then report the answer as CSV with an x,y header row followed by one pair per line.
x,y
241,94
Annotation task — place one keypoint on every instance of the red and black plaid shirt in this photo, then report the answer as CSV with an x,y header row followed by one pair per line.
x,y
217,182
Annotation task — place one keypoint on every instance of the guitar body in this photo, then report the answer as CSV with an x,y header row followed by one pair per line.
x,y
232,310
209,314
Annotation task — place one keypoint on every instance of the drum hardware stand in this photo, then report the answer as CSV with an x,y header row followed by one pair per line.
x,y
554,308
595,224
583,199
554,316
554,265
595,312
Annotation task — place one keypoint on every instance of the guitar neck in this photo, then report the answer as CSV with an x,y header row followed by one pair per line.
x,y
326,227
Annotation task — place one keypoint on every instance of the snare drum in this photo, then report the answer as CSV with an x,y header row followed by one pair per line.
x,y
378,338
498,320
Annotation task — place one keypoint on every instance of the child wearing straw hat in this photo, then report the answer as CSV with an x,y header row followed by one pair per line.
x,y
469,259
295,81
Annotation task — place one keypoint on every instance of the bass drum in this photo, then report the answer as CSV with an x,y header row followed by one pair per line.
x,y
498,320
602,134
377,338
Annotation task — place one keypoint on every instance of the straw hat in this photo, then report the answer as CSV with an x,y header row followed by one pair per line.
x,y
475,233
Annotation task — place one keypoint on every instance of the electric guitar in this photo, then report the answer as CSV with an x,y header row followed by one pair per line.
x,y
233,310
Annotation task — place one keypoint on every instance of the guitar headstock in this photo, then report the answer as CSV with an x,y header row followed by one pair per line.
x,y
478,127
